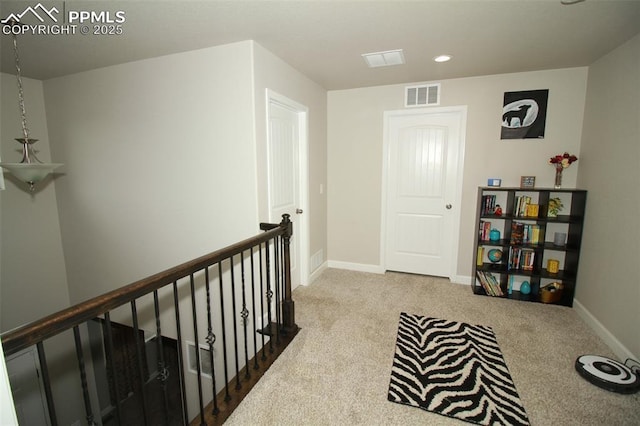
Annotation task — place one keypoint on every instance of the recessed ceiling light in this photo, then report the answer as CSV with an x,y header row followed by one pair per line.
x,y
442,58
384,59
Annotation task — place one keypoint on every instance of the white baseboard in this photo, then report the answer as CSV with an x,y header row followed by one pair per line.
x,y
319,270
461,279
621,351
360,267
377,269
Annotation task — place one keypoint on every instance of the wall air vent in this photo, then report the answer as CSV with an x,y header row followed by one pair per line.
x,y
425,95
205,359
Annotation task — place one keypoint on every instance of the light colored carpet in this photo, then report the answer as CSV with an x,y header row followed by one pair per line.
x,y
336,371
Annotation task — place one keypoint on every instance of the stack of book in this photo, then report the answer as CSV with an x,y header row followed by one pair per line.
x,y
484,230
525,233
524,208
489,283
520,258
531,234
517,233
488,204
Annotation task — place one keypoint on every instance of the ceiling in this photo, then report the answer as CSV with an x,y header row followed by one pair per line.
x,y
324,39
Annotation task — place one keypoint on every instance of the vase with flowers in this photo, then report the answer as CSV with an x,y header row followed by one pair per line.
x,y
561,162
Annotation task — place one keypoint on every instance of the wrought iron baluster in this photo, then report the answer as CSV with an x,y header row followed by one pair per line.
x,y
183,387
227,396
269,294
264,355
46,380
197,347
235,322
111,371
253,311
245,315
162,367
83,377
211,339
278,254
139,355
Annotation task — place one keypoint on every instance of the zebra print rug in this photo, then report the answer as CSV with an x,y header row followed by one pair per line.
x,y
454,369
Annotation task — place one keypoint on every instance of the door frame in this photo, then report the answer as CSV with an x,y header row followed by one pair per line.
x,y
386,158
302,113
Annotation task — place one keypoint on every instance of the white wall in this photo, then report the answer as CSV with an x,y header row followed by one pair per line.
x,y
32,273
33,279
274,74
355,135
608,286
160,163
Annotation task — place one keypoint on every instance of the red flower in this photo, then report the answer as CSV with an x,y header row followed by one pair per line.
x,y
563,160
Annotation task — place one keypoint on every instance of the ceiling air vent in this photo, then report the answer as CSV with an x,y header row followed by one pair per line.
x,y
426,95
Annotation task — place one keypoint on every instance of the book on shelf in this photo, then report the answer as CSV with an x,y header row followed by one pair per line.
x,y
520,205
532,210
513,255
535,234
521,259
527,258
488,204
524,208
517,233
525,233
494,284
484,283
489,283
484,230
480,257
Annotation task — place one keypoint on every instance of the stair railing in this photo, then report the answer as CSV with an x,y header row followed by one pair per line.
x,y
242,293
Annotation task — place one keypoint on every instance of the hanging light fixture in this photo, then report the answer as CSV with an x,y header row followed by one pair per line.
x,y
30,170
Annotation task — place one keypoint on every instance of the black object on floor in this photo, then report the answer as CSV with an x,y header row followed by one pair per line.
x,y
608,374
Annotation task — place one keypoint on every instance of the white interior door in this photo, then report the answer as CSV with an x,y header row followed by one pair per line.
x,y
424,158
287,171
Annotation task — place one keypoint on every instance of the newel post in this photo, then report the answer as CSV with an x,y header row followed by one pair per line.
x,y
288,306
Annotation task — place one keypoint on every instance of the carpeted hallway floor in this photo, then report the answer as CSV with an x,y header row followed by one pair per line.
x,y
336,371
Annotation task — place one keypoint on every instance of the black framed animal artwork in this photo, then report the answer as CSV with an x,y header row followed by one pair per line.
x,y
524,114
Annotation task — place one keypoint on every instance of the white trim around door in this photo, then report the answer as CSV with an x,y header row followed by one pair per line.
x,y
302,113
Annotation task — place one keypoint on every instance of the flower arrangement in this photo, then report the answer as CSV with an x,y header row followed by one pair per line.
x,y
561,162
555,206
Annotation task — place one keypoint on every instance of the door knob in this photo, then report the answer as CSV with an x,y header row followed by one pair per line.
x,y
448,206
299,211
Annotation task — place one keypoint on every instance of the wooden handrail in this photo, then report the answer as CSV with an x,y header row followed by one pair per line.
x,y
27,335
